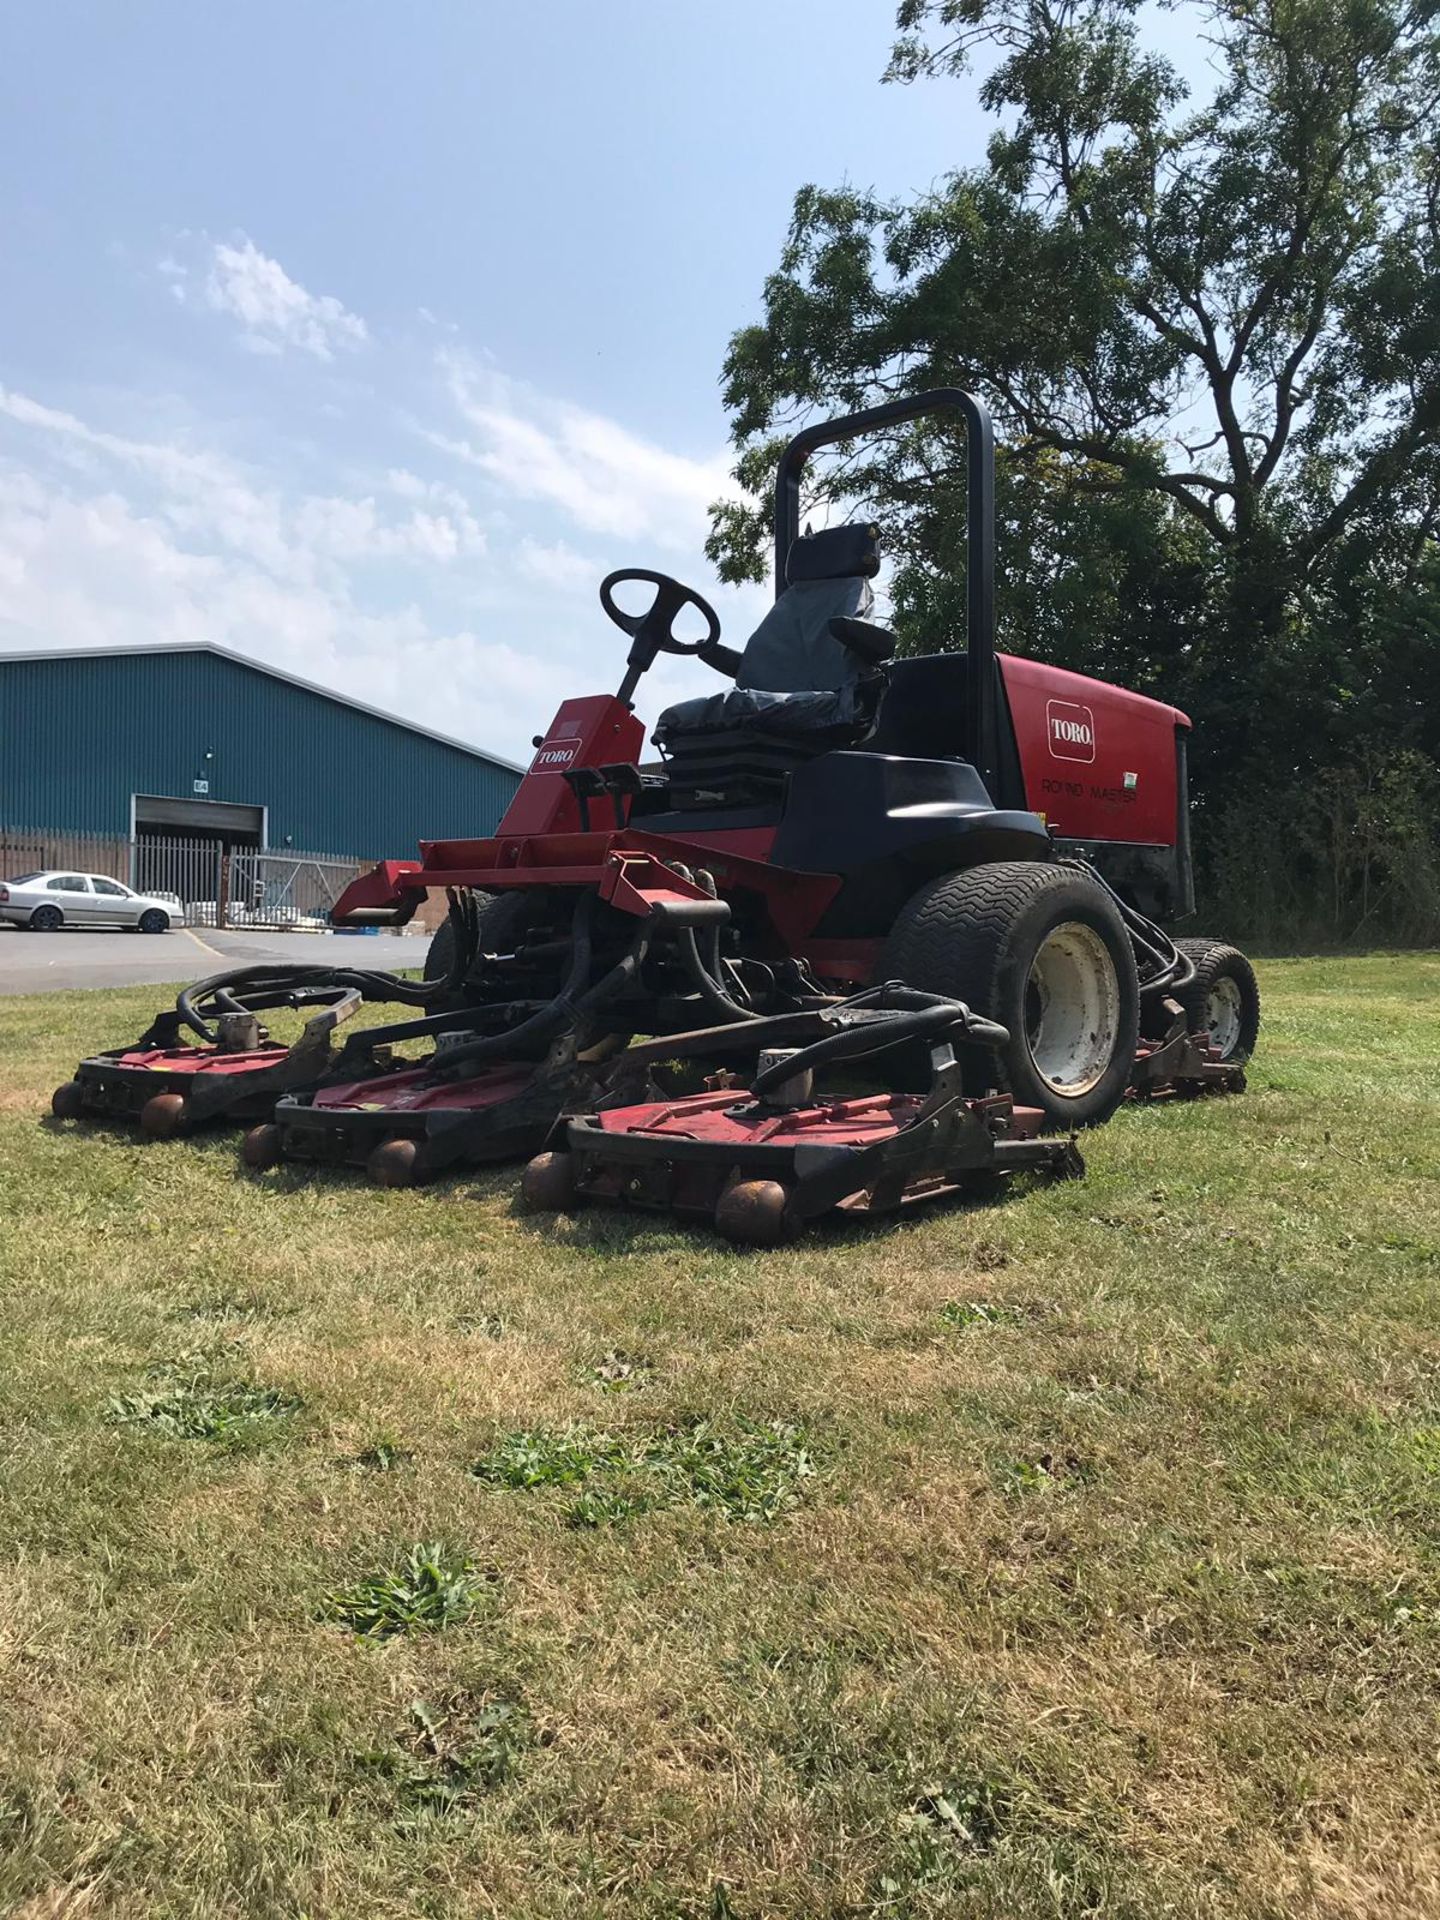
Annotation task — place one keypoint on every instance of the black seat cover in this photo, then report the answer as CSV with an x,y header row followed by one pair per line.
x,y
794,677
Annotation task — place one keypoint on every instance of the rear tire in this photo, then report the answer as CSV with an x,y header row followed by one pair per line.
x,y
47,919
1222,1002
1042,949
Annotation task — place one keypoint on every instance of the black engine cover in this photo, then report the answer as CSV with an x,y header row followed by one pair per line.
x,y
887,824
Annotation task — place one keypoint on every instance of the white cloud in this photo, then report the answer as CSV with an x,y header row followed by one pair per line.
x,y
463,607
210,499
556,566
604,478
274,311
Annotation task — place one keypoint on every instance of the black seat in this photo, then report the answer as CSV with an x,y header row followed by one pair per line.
x,y
806,681
795,675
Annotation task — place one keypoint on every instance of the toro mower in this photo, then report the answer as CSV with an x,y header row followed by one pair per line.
x,y
229,1068
991,834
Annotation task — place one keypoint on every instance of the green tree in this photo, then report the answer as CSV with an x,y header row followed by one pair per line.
x,y
1209,329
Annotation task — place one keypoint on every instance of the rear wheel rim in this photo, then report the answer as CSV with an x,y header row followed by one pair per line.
x,y
1224,1016
1072,1010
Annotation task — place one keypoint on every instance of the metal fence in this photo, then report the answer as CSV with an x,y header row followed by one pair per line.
x,y
243,887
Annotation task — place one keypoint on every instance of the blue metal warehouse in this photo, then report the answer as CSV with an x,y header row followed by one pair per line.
x,y
197,741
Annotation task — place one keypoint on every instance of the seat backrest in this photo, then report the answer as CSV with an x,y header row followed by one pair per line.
x,y
827,574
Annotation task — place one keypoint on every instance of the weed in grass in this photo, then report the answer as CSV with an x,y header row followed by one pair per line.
x,y
246,1307
618,1372
201,1407
428,1587
604,1506
965,1314
382,1456
754,1472
452,1755
562,1457
1050,1473
490,1326
940,1836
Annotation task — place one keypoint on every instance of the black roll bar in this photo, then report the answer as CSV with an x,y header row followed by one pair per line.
x,y
981,725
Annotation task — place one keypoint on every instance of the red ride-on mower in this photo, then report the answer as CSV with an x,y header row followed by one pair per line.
x,y
991,830
170,1084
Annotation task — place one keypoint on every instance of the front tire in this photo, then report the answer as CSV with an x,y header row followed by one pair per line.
x,y
1042,949
1222,1002
47,919
503,919
154,921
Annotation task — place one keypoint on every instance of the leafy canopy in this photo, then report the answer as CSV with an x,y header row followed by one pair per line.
x,y
1210,329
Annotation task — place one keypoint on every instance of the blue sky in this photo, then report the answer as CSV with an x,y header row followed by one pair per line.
x,y
366,339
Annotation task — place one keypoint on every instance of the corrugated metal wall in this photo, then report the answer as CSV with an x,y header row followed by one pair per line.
x,y
79,736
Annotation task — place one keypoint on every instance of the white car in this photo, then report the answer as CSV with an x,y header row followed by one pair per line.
x,y
47,901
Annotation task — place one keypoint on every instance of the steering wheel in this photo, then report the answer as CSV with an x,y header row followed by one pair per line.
x,y
653,632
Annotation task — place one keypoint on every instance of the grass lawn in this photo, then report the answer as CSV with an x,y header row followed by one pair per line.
x,y
388,1553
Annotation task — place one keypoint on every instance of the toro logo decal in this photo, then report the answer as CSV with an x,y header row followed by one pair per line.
x,y
1070,730
555,756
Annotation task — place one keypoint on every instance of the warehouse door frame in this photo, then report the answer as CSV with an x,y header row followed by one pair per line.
x,y
184,845
229,822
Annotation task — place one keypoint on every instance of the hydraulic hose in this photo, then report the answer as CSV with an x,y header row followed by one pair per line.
x,y
543,1025
705,983
705,969
252,989
1171,968
568,1007
910,1015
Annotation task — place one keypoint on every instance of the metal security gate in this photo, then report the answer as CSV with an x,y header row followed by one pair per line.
x,y
284,889
188,870
217,884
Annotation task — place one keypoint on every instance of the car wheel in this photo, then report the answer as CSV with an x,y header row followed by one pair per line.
x,y
1043,950
154,921
47,919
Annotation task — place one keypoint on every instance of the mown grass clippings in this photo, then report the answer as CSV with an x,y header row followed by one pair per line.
x,y
428,1587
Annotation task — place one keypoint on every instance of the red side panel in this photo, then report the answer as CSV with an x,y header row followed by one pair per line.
x,y
195,1060
598,731
1099,763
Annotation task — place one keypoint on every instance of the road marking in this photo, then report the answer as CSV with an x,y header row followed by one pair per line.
x,y
201,944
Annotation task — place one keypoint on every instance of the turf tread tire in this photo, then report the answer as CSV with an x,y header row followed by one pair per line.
x,y
1215,960
497,911
970,933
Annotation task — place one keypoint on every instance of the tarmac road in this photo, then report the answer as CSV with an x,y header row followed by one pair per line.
x,y
53,962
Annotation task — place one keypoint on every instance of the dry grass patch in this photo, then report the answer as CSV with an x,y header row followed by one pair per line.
x,y
1072,1555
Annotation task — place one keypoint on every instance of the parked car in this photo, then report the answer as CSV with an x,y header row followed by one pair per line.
x,y
47,901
